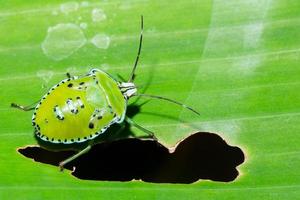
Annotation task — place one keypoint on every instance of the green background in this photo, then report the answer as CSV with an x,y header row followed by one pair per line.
x,y
237,62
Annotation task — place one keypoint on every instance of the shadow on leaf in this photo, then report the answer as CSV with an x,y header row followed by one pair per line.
x,y
200,156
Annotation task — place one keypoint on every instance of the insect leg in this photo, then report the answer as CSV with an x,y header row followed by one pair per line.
x,y
117,134
83,151
24,108
150,133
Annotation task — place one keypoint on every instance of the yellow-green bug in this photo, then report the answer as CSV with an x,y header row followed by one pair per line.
x,y
78,109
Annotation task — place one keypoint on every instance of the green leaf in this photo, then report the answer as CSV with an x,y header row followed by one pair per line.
x,y
237,62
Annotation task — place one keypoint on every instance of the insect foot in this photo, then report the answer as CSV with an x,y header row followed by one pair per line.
x,y
61,166
202,155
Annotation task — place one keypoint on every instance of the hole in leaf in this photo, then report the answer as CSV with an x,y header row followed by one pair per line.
x,y
200,156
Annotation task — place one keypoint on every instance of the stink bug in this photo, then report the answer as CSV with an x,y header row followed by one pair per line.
x,y
78,109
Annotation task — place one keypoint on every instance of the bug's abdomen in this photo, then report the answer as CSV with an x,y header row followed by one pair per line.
x,y
75,111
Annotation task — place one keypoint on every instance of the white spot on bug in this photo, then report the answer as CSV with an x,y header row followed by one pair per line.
x,y
69,7
79,102
62,41
59,113
72,106
83,25
101,41
45,75
98,15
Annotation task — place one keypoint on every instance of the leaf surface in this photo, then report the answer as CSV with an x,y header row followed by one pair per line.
x,y
237,62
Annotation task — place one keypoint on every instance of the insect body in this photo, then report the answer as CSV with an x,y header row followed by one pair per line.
x,y
79,109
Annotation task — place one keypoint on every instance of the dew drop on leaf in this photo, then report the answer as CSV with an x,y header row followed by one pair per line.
x,y
98,15
101,41
68,7
62,41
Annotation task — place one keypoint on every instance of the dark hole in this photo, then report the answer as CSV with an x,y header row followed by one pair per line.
x,y
200,156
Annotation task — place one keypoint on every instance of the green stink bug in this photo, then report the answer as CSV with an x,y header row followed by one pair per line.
x,y
78,109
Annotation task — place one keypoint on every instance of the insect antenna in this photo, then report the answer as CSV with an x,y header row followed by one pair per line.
x,y
132,75
169,100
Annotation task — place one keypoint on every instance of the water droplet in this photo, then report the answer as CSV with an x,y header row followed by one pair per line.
x,y
83,25
98,15
63,40
45,75
69,7
101,41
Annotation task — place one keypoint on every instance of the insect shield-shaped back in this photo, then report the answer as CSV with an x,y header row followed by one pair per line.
x,y
79,109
